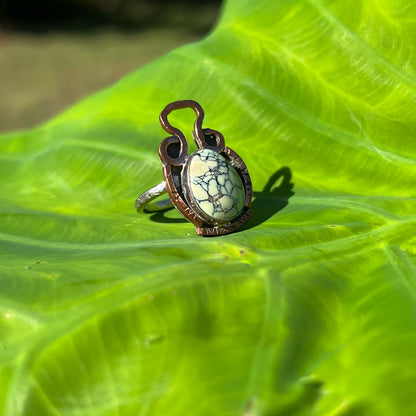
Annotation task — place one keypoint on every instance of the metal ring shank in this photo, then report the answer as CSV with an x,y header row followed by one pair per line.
x,y
143,202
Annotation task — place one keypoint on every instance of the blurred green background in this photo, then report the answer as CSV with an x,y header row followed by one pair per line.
x,y
55,52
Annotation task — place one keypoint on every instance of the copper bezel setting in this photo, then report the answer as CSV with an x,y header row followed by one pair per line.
x,y
173,152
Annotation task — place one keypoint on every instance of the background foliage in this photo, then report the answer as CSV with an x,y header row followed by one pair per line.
x,y
309,310
53,52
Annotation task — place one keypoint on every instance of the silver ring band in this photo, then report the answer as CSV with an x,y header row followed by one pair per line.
x,y
143,202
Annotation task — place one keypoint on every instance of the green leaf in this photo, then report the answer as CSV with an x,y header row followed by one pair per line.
x,y
311,309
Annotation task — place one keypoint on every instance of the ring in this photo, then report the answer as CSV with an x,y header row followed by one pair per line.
x,y
211,187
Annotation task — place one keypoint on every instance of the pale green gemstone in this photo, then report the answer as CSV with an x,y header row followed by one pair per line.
x,y
215,186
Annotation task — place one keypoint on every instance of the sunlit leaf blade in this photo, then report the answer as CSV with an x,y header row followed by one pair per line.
x,y
311,309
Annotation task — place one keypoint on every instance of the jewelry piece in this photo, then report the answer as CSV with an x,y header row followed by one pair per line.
x,y
211,187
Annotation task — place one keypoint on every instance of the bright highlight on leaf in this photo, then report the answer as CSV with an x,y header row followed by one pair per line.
x,y
309,310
